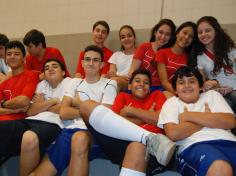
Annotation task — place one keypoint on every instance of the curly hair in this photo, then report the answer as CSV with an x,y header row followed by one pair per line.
x,y
222,45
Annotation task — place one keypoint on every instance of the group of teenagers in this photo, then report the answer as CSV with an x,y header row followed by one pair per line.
x,y
173,97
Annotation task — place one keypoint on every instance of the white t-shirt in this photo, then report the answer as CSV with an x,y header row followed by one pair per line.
x,y
122,62
103,91
3,67
174,106
44,88
206,64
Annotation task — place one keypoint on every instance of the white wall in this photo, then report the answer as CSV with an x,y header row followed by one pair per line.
x,y
56,17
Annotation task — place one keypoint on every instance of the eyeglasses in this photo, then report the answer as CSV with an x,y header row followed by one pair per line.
x,y
89,59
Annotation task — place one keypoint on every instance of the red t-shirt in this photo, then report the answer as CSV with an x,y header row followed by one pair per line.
x,y
33,63
125,99
22,84
146,55
171,60
107,54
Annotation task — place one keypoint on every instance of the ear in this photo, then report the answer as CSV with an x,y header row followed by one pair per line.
x,y
63,73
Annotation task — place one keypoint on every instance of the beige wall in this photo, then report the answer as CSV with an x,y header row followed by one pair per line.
x,y
67,23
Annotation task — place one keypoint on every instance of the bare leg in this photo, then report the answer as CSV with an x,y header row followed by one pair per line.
x,y
30,154
220,168
135,157
86,107
45,168
80,144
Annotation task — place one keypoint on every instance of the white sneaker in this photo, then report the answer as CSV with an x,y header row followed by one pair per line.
x,y
161,147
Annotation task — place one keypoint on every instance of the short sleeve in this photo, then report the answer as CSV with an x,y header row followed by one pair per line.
x,y
110,92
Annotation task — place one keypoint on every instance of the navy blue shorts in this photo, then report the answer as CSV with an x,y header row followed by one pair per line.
x,y
196,159
59,152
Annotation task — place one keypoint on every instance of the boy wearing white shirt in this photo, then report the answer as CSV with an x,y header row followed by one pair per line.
x,y
72,145
200,124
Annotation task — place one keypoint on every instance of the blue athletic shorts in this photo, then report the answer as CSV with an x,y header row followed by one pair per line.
x,y
59,152
196,159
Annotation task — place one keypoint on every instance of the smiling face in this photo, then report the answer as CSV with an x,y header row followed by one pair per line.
x,y
206,34
187,89
127,38
163,35
99,34
184,37
53,72
14,58
140,86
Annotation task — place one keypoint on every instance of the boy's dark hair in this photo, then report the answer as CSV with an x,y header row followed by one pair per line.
x,y
103,23
187,71
142,72
35,37
3,39
57,61
96,49
15,44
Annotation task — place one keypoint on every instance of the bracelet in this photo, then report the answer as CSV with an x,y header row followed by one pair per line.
x,y
2,103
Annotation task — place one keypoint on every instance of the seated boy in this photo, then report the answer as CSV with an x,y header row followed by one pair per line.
x,y
32,135
114,132
200,124
72,145
17,91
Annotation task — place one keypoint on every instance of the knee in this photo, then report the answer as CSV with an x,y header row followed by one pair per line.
x,y
86,108
80,143
29,141
219,168
135,152
135,157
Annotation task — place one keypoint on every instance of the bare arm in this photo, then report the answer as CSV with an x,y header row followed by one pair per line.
x,y
140,115
40,104
69,108
181,131
112,70
134,66
17,102
209,119
161,68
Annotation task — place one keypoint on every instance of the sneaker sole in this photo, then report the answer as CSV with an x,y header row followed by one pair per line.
x,y
166,153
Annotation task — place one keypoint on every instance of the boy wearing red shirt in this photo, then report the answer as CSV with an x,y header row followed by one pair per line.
x,y
17,91
39,53
100,33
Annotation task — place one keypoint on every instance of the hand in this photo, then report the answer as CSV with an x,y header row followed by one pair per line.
x,y
129,75
38,98
207,109
152,107
111,74
55,100
125,110
224,90
183,116
209,84
76,102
